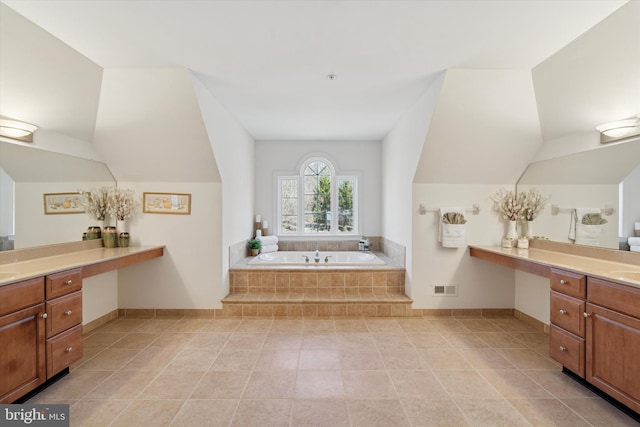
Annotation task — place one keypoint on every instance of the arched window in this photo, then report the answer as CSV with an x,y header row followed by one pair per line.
x,y
317,201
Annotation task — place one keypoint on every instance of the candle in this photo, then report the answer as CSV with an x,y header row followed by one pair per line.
x,y
265,224
258,233
258,218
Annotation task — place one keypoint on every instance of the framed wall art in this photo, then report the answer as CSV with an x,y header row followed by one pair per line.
x,y
166,203
64,203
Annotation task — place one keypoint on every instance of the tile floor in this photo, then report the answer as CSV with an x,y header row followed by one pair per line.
x,y
314,372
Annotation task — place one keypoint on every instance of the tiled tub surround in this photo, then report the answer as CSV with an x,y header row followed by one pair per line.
x,y
316,290
425,371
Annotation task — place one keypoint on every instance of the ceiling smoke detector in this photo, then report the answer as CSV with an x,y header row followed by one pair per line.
x,y
331,76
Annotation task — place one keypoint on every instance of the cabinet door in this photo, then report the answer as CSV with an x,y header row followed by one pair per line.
x,y
22,353
613,346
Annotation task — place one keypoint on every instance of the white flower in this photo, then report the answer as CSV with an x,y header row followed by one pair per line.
x,y
96,203
508,205
121,204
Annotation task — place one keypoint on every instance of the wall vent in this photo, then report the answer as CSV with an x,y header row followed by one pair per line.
x,y
445,290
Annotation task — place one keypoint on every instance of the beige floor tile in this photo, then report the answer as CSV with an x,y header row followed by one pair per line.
x,y
465,340
383,325
109,360
102,340
319,326
283,340
351,325
123,385
319,384
514,384
319,341
365,359
287,326
376,413
433,413
254,325
501,340
151,359
157,325
526,359
417,384
270,385
221,385
319,413
466,385
485,358
405,360
235,360
172,340
245,341
172,385
210,413
96,412
548,413
411,325
208,340
262,413
189,325
428,340
221,325
277,360
511,324
600,412
558,384
318,359
75,385
144,413
368,384
441,359
447,325
491,413
480,325
355,340
135,340
123,325
192,360
386,340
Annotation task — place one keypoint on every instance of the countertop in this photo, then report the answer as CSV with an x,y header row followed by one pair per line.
x,y
542,260
94,261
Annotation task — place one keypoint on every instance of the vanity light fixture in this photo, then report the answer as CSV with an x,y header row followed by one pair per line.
x,y
17,130
621,129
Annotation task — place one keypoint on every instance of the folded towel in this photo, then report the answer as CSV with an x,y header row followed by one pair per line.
x,y
451,235
269,248
576,218
268,240
634,248
634,241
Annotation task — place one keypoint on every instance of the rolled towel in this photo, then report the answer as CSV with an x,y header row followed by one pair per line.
x,y
451,235
269,248
634,241
634,248
268,240
576,218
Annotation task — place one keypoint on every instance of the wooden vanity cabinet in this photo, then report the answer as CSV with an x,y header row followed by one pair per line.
x,y
613,340
22,334
567,331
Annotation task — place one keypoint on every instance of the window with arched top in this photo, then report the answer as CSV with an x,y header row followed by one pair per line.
x,y
317,201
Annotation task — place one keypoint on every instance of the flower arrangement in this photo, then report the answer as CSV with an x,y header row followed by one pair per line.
x,y
533,202
508,205
97,203
120,203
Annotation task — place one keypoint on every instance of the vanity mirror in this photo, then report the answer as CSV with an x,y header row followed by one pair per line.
x,y
607,177
26,174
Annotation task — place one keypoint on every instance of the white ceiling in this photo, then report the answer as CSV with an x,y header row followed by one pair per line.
x,y
266,61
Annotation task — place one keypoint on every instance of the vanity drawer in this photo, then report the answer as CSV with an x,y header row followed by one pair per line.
x,y
569,283
63,350
622,298
63,313
568,313
21,295
62,283
567,349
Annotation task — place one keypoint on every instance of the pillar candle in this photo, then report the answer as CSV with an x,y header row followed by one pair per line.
x,y
265,224
258,218
258,233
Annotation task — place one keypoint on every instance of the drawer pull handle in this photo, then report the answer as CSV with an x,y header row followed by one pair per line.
x,y
68,312
43,315
563,348
69,349
563,282
68,282
563,311
586,315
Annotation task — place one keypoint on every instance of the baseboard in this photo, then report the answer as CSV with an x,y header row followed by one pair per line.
x,y
531,321
95,324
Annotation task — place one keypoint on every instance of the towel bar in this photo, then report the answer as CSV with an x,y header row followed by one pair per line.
x,y
475,209
555,210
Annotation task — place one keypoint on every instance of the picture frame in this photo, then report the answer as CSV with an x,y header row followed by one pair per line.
x,y
64,203
166,203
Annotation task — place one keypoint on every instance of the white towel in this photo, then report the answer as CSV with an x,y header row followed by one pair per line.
x,y
268,240
634,248
576,218
634,241
451,235
269,248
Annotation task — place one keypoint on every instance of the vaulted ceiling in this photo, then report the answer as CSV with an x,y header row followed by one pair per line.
x,y
267,61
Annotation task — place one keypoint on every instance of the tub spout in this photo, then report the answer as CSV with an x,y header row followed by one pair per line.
x,y
317,257
326,259
306,258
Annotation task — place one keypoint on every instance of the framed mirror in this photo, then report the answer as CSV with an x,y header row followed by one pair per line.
x,y
607,178
26,176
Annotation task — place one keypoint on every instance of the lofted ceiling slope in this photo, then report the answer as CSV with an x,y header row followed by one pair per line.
x,y
266,61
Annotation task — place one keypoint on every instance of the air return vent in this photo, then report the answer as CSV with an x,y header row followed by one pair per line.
x,y
445,290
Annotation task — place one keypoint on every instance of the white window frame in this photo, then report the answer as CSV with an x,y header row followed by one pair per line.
x,y
335,178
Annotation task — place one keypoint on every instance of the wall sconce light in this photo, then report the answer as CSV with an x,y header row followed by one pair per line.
x,y
615,131
17,130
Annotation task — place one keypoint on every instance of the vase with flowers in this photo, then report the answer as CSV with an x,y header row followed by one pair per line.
x,y
121,207
533,203
97,206
507,204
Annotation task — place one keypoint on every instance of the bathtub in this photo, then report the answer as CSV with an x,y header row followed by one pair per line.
x,y
335,258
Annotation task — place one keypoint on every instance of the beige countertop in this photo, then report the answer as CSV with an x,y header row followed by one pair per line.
x,y
95,260
619,272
